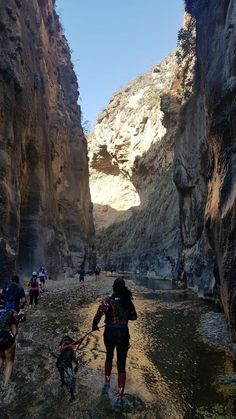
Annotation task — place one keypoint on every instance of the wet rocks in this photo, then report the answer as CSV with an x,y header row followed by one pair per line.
x,y
213,326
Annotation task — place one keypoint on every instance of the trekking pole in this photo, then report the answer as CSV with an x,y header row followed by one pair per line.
x,y
78,342
87,334
91,331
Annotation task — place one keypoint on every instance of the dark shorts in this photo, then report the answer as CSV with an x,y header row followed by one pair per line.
x,y
15,305
7,339
81,279
42,280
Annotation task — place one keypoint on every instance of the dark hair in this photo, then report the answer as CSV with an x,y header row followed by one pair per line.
x,y
15,278
66,339
122,291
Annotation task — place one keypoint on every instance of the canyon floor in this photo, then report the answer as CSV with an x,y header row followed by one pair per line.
x,y
173,370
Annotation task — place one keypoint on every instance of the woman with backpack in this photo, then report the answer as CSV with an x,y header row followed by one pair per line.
x,y
34,286
9,320
118,310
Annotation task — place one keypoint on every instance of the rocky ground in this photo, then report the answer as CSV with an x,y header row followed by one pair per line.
x,y
66,309
45,326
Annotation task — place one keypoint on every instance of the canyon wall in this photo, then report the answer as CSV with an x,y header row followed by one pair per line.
x,y
206,138
190,170
131,175
45,206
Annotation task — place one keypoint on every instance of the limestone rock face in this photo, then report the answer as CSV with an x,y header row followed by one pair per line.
x,y
131,156
205,174
45,206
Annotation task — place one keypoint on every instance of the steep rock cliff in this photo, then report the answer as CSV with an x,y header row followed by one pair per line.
x,y
131,158
45,207
191,159
207,182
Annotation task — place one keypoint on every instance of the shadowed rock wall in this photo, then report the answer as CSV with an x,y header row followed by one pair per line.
x,y
206,181
45,207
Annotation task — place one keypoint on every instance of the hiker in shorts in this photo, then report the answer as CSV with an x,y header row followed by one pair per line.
x,y
34,286
9,320
42,277
14,295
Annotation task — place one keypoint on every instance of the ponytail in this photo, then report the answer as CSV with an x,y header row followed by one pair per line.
x,y
122,291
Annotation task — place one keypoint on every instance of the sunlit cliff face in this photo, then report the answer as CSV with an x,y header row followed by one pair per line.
x,y
125,150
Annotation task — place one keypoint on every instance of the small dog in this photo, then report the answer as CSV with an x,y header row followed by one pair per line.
x,y
65,362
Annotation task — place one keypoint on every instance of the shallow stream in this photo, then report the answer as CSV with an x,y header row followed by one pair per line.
x,y
171,371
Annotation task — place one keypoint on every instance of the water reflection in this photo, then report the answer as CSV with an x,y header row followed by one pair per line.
x,y
169,366
152,283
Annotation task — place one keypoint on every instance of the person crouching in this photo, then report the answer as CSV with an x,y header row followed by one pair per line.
x,y
65,362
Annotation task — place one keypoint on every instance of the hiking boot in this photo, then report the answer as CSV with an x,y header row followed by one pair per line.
x,y
105,389
118,406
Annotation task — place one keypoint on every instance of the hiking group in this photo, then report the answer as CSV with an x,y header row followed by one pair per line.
x,y
118,309
12,302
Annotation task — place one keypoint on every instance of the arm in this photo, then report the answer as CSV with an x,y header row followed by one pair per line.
x,y
102,309
132,312
22,298
22,302
75,360
12,321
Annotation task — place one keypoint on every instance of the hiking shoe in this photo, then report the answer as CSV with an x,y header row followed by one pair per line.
x,y
5,391
105,389
118,406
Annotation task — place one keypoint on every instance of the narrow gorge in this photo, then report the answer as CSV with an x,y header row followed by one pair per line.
x,y
162,163
161,157
148,199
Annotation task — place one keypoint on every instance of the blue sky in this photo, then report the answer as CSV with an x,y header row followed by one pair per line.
x,y
113,41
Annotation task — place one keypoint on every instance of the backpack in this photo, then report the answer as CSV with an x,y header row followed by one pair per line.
x,y
12,293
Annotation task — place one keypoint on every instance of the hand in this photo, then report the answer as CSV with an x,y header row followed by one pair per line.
x,y
76,368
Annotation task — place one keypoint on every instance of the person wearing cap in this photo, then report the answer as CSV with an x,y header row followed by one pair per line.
x,y
118,310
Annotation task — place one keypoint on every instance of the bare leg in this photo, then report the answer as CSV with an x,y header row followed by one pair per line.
x,y
2,357
9,357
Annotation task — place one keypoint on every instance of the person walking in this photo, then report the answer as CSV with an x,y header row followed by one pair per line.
x,y
97,272
42,278
9,320
14,294
34,286
81,273
118,310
